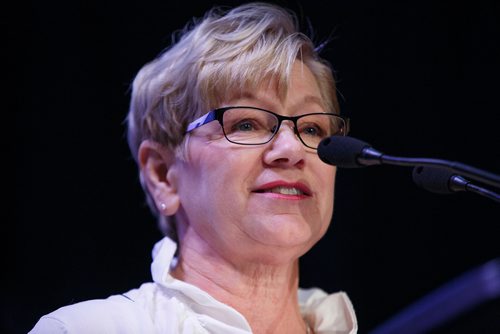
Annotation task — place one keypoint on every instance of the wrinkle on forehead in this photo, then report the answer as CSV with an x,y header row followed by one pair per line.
x,y
272,85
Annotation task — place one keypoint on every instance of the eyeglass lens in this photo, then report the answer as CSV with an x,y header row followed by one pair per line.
x,y
253,126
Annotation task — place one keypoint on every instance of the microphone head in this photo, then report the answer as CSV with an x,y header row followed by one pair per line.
x,y
433,179
341,151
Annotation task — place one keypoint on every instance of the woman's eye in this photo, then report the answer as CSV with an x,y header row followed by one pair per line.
x,y
245,125
312,131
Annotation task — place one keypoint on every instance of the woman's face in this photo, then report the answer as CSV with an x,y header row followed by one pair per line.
x,y
268,202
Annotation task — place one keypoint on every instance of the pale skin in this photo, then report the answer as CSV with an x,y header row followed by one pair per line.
x,y
239,241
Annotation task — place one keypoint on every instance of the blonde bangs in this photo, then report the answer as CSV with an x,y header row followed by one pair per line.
x,y
231,72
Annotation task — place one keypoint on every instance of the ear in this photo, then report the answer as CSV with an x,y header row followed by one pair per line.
x,y
159,174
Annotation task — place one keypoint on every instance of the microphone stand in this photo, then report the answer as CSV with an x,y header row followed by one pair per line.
x,y
442,181
370,156
483,192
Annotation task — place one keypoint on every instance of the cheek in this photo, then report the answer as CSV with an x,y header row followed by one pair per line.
x,y
325,174
331,181
219,176
326,185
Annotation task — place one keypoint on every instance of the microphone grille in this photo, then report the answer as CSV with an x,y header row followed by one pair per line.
x,y
341,151
433,179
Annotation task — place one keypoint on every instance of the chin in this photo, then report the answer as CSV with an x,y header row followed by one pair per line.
x,y
280,251
277,257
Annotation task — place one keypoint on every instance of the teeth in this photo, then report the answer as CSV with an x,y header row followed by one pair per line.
x,y
286,191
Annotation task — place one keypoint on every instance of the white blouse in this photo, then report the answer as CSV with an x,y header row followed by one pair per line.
x,y
168,305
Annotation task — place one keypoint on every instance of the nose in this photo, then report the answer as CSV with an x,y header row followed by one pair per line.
x,y
286,149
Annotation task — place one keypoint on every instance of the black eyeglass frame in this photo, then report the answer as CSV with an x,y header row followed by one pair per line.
x,y
217,115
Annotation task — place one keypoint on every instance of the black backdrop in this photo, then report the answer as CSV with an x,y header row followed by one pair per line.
x,y
416,78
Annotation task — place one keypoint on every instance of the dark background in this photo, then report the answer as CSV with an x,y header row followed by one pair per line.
x,y
416,78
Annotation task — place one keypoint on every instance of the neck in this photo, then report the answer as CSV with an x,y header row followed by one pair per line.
x,y
266,295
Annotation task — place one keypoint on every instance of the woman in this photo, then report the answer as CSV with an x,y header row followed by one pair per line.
x,y
224,127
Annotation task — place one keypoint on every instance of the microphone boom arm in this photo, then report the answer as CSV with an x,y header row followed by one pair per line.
x,y
349,152
460,168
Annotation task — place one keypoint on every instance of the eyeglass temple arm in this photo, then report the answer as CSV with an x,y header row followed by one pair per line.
x,y
209,117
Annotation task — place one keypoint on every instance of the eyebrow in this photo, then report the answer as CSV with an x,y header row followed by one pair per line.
x,y
307,98
314,99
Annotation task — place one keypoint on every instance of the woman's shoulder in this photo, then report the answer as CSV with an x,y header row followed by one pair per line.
x,y
116,314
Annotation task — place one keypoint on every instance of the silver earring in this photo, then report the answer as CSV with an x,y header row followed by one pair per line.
x,y
163,206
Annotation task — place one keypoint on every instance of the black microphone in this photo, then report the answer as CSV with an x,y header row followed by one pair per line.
x,y
349,152
443,181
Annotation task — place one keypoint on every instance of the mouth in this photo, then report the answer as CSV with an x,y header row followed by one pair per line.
x,y
285,189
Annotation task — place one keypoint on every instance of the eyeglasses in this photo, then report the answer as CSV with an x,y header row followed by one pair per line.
x,y
254,126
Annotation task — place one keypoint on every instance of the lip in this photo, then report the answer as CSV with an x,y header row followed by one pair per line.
x,y
264,188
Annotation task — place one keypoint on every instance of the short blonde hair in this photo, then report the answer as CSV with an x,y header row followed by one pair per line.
x,y
215,57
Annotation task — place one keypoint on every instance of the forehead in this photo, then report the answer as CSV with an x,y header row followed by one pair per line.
x,y
301,88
